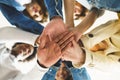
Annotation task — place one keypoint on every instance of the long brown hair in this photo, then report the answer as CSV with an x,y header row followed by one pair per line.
x,y
44,10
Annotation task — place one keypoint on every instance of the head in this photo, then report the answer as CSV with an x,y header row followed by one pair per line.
x,y
23,52
63,73
36,10
24,57
79,11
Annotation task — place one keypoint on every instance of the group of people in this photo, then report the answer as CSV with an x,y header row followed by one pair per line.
x,y
60,47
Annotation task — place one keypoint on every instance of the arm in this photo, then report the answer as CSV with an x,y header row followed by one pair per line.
x,y
20,20
75,54
69,10
54,8
89,20
102,32
56,25
83,26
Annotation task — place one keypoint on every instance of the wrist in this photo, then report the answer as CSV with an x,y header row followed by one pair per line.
x,y
56,17
43,66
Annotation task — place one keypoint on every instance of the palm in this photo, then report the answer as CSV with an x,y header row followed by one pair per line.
x,y
49,55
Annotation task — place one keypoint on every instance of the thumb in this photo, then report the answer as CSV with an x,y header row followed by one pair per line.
x,y
43,39
74,43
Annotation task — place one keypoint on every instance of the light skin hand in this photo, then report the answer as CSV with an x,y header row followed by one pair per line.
x,y
66,37
73,53
49,55
55,27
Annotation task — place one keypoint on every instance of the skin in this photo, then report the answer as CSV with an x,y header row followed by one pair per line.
x,y
35,11
49,55
52,30
79,11
63,73
78,30
22,51
55,27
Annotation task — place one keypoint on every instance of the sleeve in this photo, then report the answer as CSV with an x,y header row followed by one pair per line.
x,y
54,8
102,62
20,20
40,67
99,12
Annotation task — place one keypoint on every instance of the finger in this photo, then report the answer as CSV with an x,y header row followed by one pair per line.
x,y
67,57
60,36
43,41
47,42
62,46
66,38
74,43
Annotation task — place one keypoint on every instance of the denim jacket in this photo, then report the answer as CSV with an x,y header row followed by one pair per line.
x,y
54,7
13,3
10,9
112,5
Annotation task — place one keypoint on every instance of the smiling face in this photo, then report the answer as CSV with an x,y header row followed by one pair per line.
x,y
22,51
35,11
63,73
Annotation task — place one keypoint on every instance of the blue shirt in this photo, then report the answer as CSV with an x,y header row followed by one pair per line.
x,y
112,5
13,3
11,10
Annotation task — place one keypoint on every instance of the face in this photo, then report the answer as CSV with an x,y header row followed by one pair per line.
x,y
22,51
35,11
78,10
62,72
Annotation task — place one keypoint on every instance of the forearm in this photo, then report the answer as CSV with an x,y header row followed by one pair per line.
x,y
69,10
20,20
54,8
87,21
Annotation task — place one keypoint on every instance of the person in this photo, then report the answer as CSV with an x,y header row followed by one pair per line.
x,y
63,73
8,8
50,58
101,47
97,9
52,53
79,11
56,25
12,10
37,11
17,53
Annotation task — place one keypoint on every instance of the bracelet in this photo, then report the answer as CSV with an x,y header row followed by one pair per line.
x,y
41,65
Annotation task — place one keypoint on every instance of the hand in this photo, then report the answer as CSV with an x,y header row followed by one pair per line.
x,y
49,55
74,53
66,37
53,28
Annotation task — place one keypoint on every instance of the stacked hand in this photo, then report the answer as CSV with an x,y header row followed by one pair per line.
x,y
57,42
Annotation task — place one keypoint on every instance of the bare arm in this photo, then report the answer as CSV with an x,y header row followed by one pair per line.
x,y
89,20
69,9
